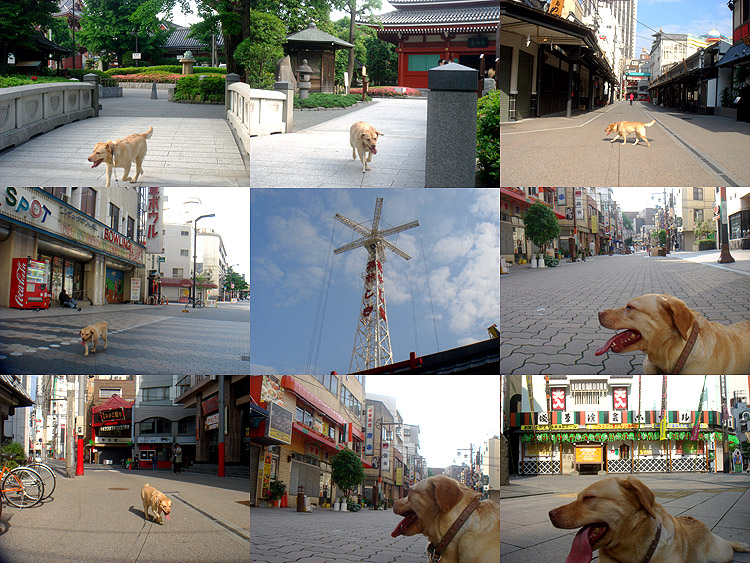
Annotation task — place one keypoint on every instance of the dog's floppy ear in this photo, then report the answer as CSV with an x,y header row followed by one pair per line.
x,y
110,146
447,493
682,316
642,494
379,134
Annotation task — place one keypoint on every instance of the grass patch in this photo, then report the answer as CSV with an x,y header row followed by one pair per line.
x,y
22,80
320,100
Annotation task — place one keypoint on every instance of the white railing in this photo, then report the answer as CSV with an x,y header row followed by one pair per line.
x,y
26,111
252,112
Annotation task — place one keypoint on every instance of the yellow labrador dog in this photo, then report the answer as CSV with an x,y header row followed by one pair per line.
x,y
431,508
121,154
363,138
660,325
622,128
156,501
621,519
91,334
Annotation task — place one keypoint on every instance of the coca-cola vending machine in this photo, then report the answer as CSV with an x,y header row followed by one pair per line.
x,y
28,284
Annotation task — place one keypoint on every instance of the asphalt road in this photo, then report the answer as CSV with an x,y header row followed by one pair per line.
x,y
141,339
548,317
686,150
99,517
721,501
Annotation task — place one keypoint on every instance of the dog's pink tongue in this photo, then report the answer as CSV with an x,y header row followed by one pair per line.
x,y
580,551
167,516
602,349
373,150
404,524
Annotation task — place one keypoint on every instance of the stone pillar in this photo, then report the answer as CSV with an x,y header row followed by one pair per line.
x,y
231,79
287,88
92,78
450,159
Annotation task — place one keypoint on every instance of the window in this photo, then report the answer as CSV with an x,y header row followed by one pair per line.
x,y
156,425
57,192
422,63
114,217
184,233
186,426
131,228
309,418
178,272
698,215
88,201
350,401
184,252
106,392
698,194
589,392
154,393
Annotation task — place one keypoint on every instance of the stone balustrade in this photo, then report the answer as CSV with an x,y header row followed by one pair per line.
x,y
27,111
252,112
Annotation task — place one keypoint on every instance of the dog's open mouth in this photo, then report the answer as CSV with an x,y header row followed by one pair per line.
x,y
619,342
582,550
372,149
97,163
409,519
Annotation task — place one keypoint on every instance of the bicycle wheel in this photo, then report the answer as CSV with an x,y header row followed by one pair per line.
x,y
48,476
23,487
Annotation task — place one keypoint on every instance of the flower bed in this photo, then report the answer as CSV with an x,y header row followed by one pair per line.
x,y
161,77
174,69
387,92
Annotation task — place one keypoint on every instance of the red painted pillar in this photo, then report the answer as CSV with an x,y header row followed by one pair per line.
x,y
221,458
79,457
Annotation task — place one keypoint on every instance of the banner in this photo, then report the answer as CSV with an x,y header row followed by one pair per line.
x,y
154,223
370,431
530,388
663,422
578,203
135,289
694,434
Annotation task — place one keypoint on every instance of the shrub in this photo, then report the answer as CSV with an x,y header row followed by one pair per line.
x,y
260,50
17,80
191,87
488,137
104,78
386,92
19,456
321,100
174,69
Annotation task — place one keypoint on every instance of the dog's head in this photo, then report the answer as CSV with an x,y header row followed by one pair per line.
x,y
86,334
102,153
611,127
649,321
605,512
426,503
369,139
165,504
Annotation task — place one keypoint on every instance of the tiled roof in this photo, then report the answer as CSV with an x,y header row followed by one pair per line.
x,y
738,52
313,35
179,40
468,15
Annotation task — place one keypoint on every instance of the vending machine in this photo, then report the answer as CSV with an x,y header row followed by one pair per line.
x,y
28,284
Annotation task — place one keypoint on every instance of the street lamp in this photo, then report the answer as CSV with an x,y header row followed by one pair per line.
x,y
195,248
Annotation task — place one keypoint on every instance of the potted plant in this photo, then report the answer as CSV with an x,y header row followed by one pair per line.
x,y
275,491
541,228
347,473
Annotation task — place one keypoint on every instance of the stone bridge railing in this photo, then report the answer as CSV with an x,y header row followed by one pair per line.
x,y
252,112
26,111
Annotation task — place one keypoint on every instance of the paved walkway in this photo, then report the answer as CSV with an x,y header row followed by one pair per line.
x,y
686,150
548,318
320,156
184,150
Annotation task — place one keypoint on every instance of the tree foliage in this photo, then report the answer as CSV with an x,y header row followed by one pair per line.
x,y
232,277
382,61
19,20
347,471
626,222
261,48
541,224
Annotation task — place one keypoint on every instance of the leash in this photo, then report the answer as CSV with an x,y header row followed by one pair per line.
x,y
652,547
685,352
435,553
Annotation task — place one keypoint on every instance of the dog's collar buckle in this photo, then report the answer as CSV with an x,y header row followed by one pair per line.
x,y
433,555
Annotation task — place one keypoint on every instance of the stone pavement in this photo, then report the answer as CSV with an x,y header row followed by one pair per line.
x,y
142,339
320,156
324,536
99,517
548,317
686,150
183,150
721,501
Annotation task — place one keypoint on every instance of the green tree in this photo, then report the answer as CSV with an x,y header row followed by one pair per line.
x,y
347,471
341,30
19,20
626,222
261,48
705,229
356,9
240,285
541,225
61,33
382,61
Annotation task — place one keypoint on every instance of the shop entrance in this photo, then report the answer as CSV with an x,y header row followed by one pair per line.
x,y
64,273
306,475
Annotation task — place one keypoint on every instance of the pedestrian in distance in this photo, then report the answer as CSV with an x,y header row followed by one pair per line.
x,y
67,301
592,247
631,99
156,460
177,458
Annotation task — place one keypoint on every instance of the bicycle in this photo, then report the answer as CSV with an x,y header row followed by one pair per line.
x,y
21,487
47,475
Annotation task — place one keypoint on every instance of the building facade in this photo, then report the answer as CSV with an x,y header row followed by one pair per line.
x,y
175,265
737,61
384,480
214,260
109,418
692,206
738,210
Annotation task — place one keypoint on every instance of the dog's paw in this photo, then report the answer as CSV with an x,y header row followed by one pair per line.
x,y
126,179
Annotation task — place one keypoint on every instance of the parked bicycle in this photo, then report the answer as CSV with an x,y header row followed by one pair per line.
x,y
47,475
21,487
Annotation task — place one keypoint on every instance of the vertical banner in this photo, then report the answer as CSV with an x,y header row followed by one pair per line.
x,y
561,197
578,203
696,427
135,289
663,423
530,388
546,391
154,224
370,430
385,451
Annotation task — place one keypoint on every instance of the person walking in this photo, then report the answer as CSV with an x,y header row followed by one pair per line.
x,y
631,99
592,247
177,458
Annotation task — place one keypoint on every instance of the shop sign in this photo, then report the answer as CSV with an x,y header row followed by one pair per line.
x,y
271,392
156,440
560,196
370,430
114,427
578,203
312,450
104,440
38,209
154,225
267,462
550,427
210,405
135,289
384,456
212,421
558,399
620,398
588,455
112,415
279,424
399,476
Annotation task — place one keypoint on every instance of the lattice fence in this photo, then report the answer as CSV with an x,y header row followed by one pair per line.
x,y
689,464
540,468
618,466
651,465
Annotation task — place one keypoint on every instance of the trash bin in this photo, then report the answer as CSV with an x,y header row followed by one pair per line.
x,y
300,498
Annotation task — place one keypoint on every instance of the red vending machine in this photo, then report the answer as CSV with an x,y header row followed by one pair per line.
x,y
28,284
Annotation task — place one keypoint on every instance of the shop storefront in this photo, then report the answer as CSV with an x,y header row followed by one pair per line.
x,y
111,431
87,259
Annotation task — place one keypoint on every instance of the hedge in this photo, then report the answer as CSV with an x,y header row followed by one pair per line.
x,y
319,99
22,80
488,137
175,69
387,92
190,87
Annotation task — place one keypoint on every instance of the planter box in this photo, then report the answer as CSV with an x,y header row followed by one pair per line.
x,y
658,251
710,245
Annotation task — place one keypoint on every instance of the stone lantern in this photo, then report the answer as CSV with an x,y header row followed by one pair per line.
x,y
303,84
187,61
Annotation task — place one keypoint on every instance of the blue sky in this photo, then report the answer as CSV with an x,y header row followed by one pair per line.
x,y
290,246
681,16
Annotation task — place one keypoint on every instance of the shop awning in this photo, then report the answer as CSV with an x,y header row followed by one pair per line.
x,y
319,438
290,384
176,282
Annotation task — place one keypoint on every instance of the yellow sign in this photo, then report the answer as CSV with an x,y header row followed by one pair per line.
x,y
610,426
556,7
545,427
399,476
588,455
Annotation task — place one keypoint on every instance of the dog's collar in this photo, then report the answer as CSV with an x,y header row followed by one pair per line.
x,y
436,552
652,547
685,352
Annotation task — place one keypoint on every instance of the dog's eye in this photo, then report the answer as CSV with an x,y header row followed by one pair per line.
x,y
588,497
629,307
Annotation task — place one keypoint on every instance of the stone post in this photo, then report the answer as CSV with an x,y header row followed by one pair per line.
x,y
231,79
92,78
451,151
287,88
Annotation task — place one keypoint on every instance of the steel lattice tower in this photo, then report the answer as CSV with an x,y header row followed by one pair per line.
x,y
372,343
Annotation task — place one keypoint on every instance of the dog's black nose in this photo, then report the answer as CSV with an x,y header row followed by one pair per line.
x,y
552,513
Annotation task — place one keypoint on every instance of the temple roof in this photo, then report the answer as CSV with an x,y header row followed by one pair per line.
x,y
447,16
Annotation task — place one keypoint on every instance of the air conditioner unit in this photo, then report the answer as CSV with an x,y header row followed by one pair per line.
x,y
65,198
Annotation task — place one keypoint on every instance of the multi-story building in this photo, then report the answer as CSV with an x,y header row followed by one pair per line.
x,y
413,461
736,61
741,414
613,423
692,206
494,468
670,48
175,265
384,480
15,395
213,260
109,418
81,239
738,212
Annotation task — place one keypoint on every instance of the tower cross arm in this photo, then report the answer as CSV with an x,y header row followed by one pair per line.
x,y
394,230
396,250
352,245
364,231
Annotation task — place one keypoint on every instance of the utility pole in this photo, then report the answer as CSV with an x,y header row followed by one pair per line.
x,y
82,415
70,427
221,425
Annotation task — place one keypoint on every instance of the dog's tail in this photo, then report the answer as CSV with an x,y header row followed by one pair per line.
x,y
739,547
649,124
147,134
